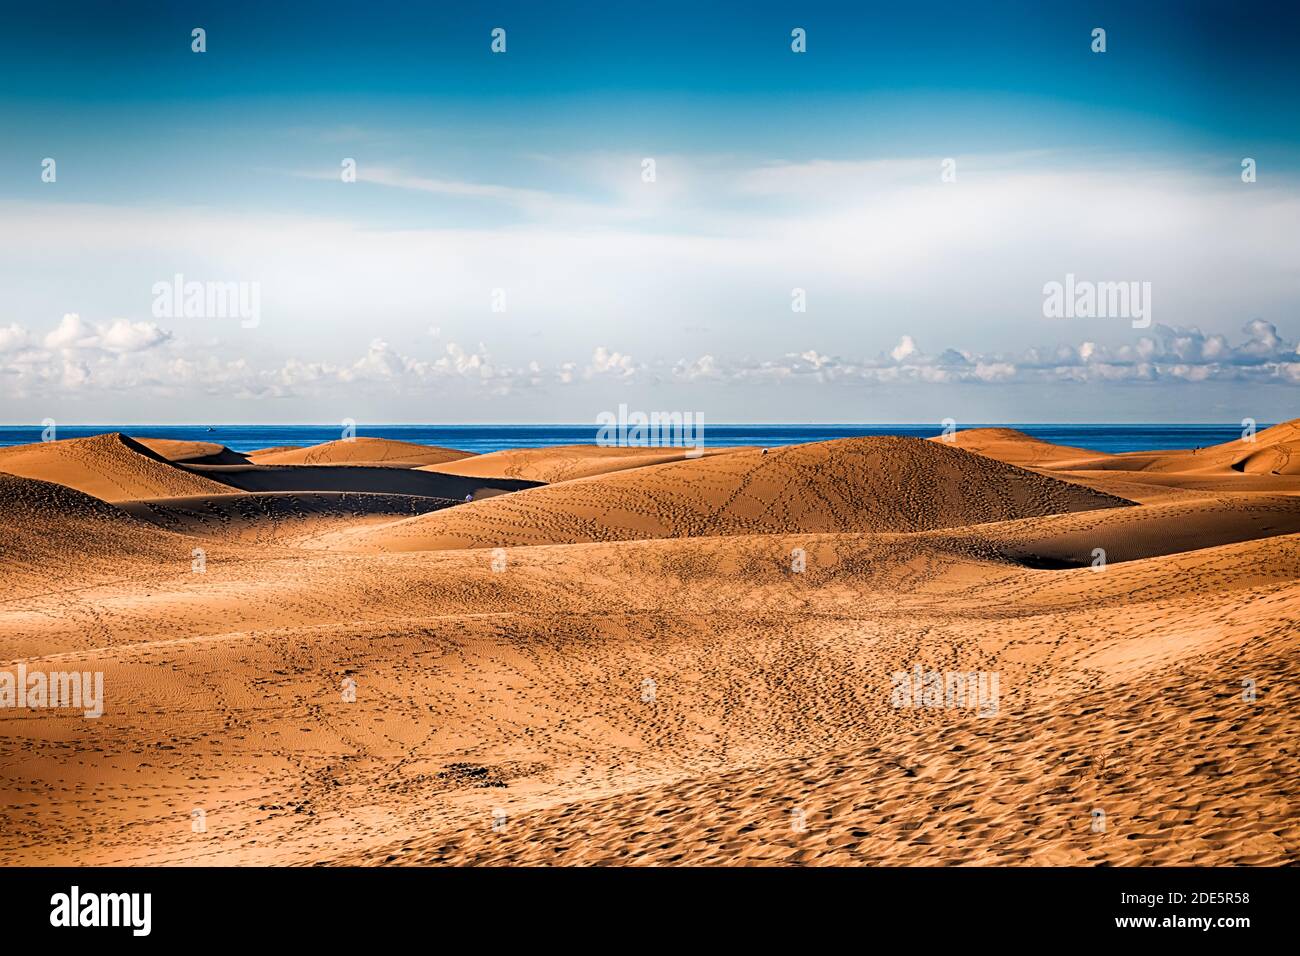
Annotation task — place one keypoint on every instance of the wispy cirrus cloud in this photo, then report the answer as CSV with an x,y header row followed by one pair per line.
x,y
532,203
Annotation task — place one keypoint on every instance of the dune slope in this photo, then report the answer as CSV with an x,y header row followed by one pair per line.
x,y
566,462
370,451
1016,448
193,452
860,484
51,535
1265,463
112,467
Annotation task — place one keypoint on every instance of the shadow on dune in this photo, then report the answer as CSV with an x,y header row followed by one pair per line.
x,y
376,479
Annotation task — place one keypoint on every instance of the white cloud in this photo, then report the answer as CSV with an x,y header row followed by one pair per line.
x,y
607,362
94,358
118,335
903,349
70,333
1168,354
123,336
13,337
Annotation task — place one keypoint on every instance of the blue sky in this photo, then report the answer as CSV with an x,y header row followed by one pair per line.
x,y
522,172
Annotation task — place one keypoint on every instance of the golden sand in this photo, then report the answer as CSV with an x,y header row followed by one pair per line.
x,y
650,659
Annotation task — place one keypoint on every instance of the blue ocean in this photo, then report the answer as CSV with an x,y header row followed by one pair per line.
x,y
485,438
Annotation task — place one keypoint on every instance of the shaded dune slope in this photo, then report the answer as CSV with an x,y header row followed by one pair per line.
x,y
50,534
277,517
378,479
1130,534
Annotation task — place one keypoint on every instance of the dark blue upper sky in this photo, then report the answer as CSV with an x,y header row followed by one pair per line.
x,y
114,89
897,72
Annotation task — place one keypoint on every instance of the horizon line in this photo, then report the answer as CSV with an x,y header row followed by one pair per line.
x,y
940,424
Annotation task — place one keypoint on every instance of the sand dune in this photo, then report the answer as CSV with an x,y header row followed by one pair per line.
x,y
566,462
193,452
1266,452
53,537
690,697
112,467
1279,458
859,484
280,517
1016,448
1269,453
355,451
1129,534
1267,463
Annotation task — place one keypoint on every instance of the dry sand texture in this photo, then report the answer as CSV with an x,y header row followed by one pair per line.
x,y
325,655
